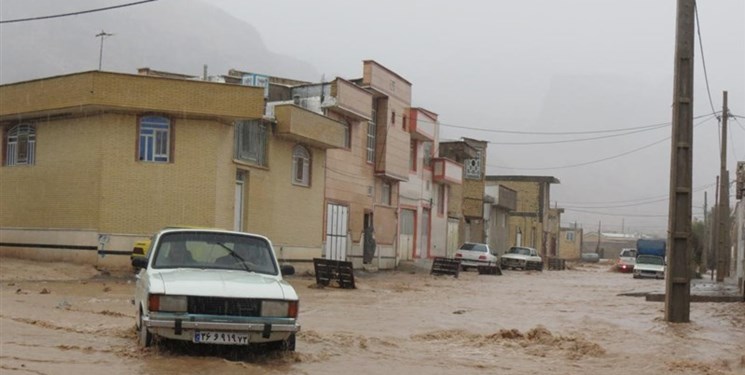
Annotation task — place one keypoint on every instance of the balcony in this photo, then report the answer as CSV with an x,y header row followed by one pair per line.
x,y
446,171
349,99
301,125
423,124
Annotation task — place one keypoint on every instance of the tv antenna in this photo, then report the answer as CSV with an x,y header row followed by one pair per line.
x,y
103,36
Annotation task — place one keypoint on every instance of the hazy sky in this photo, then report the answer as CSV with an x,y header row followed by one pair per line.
x,y
541,66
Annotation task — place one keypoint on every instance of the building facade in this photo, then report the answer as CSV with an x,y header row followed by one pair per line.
x,y
95,161
529,225
570,243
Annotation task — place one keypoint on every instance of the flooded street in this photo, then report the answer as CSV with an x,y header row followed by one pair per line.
x,y
65,319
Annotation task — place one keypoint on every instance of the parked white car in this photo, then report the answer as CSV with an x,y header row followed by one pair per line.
x,y
650,266
475,254
525,258
212,286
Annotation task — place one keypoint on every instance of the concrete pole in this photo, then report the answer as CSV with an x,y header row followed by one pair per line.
x,y
723,247
677,278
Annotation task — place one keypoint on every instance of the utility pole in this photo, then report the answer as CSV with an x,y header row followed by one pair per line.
x,y
715,230
677,279
723,245
101,35
705,239
597,246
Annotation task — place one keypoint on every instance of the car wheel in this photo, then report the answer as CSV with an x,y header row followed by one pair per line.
x,y
145,338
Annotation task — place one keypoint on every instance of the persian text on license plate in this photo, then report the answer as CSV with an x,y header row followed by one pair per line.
x,y
225,338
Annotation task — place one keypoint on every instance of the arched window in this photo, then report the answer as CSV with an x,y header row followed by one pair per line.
x,y
300,166
155,139
21,145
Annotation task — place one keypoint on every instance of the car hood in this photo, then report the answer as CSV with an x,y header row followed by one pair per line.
x,y
222,283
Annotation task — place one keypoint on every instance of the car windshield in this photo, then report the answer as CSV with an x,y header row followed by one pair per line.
x,y
650,259
211,250
474,247
519,250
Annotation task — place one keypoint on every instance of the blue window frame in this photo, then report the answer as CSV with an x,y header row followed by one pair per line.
x,y
155,139
20,145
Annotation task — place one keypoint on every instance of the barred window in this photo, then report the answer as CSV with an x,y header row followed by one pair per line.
x,y
21,145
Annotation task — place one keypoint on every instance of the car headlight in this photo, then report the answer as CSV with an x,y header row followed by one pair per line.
x,y
162,302
280,309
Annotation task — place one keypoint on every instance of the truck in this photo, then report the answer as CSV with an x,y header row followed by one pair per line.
x,y
650,258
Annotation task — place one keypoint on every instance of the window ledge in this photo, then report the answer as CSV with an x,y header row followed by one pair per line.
x,y
249,164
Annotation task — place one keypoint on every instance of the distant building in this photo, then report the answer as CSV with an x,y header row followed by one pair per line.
x,y
530,224
570,242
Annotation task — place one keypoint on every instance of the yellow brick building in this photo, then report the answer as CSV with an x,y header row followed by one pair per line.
x,y
529,224
94,161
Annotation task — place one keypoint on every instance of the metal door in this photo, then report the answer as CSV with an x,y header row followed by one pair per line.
x,y
336,231
406,238
453,240
423,240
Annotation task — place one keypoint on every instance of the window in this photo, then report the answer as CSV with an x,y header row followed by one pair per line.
x,y
250,142
300,166
347,134
385,193
21,145
393,117
403,121
473,167
427,155
441,200
155,143
570,236
371,142
412,156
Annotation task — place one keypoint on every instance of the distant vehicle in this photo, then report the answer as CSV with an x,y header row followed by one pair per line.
x,y
211,286
475,254
525,258
590,257
626,260
650,259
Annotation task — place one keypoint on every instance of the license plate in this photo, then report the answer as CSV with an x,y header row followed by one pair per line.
x,y
223,338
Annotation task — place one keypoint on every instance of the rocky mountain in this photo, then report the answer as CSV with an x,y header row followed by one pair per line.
x,y
177,36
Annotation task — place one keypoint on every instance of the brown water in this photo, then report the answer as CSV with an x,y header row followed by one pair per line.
x,y
70,319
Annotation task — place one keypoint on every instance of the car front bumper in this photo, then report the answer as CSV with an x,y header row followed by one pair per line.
x,y
183,329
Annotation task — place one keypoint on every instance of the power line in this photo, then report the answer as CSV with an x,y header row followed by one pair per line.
x,y
652,126
703,60
574,140
75,13
598,160
699,188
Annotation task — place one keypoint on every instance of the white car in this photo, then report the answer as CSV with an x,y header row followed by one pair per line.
x,y
649,266
525,258
211,286
475,254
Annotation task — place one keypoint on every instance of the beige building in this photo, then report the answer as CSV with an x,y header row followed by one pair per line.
x,y
570,243
94,161
499,201
466,201
530,224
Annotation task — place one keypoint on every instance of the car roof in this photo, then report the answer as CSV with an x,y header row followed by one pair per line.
x,y
208,230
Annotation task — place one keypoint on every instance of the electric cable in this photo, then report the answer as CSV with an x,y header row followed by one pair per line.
x,y
75,13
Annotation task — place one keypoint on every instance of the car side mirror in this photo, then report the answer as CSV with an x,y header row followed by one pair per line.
x,y
287,269
139,262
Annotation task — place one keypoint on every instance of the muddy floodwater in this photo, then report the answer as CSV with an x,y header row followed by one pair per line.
x,y
73,319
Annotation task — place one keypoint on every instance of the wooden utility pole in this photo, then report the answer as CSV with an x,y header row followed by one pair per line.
x,y
677,280
597,246
715,230
723,244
